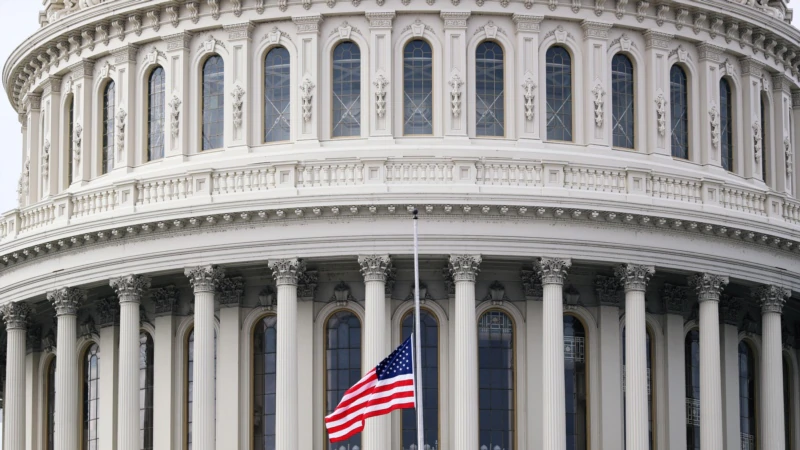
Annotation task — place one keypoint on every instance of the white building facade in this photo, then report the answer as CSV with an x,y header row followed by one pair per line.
x,y
213,238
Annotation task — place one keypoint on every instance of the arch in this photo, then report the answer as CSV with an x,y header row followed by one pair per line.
x,y
277,102
567,41
347,87
685,60
146,391
679,112
559,93
490,83
748,394
727,125
156,113
691,346
272,40
89,370
212,98
437,83
107,128
417,99
508,79
623,101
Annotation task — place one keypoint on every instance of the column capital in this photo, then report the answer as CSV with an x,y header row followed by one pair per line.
x,y
674,298
240,31
166,300
231,291
552,270
16,315
729,310
126,54
771,298
708,286
375,267
656,39
66,300
287,271
709,52
593,29
795,98
380,19
634,277
308,24
527,22
108,312
130,288
455,19
204,278
178,41
464,267
81,69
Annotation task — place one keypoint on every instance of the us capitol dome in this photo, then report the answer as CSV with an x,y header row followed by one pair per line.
x,y
214,240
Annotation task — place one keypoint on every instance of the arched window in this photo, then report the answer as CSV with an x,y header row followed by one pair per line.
x,y
691,353
156,100
277,95
788,396
190,383
50,408
264,354
109,95
558,92
726,124
213,103
622,107
91,397
417,88
489,90
430,381
576,390
145,391
496,380
346,90
649,359
747,396
679,111
764,139
342,365
70,135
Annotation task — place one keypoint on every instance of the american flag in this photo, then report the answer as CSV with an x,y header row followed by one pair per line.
x,y
387,387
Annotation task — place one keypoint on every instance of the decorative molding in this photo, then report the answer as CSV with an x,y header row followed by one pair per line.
x,y
496,294
661,114
713,120
455,19
120,124
634,277
489,30
130,288
210,45
204,278
175,116
287,271
598,93
661,14
709,52
344,30
729,307
240,31
380,95
607,290
757,141
531,283
238,102
16,315
178,41
455,94
108,312
708,286
529,96
424,293
552,270
231,291
527,23
374,267
307,284
559,33
308,24
771,298
166,300
66,300
418,28
464,267
341,294
655,39
675,298
306,88
275,35
789,155
378,20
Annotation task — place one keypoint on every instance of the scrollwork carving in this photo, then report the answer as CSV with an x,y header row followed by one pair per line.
x,y
455,94
708,285
238,102
380,95
661,114
306,88
121,116
552,270
16,315
374,267
66,300
713,119
599,93
175,116
529,96
771,298
757,141
464,267
634,277
287,271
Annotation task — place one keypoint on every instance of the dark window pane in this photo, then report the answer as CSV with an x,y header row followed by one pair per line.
x,y
109,96
146,354
429,338
213,103
264,349
489,92
155,114
622,111
559,94
346,90
496,366
726,124
70,135
277,104
576,383
747,396
692,368
91,384
679,112
342,346
417,88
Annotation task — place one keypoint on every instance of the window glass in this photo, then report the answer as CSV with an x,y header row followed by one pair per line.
x,y
489,92
51,405
576,383
679,112
764,141
726,124
622,101
146,355
213,103
417,88
91,397
559,94
691,352
70,143
342,365
429,338
264,354
346,90
496,380
277,102
109,95
155,115
747,396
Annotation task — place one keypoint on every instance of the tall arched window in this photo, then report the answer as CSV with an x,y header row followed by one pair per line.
x,y
489,90
726,124
788,396
576,390
691,353
342,365
190,383
145,391
50,408
679,111
430,381
764,139
417,88
156,100
109,96
649,359
747,396
70,134
346,90
558,92
213,103
264,354
277,95
91,397
496,380
622,101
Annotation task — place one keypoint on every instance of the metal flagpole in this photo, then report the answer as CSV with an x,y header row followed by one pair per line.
x,y
418,343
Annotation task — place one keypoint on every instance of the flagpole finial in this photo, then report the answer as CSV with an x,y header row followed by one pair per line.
x,y
415,212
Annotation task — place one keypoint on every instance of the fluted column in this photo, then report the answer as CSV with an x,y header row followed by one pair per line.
x,y
129,291
708,288
15,316
553,272
634,278
204,280
66,301
465,342
286,273
771,299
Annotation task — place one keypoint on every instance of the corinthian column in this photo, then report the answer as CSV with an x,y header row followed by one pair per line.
x,y
708,288
286,273
635,279
66,301
772,299
465,380
377,431
553,272
16,318
129,291
204,280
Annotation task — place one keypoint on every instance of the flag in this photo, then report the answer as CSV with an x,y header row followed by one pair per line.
x,y
387,387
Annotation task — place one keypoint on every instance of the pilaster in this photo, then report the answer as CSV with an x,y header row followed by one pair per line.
x,y
240,87
793,157
709,123
525,107
31,160
81,75
307,109
455,73
781,135
657,48
380,110
50,157
229,363
178,94
754,142
125,115
164,366
596,83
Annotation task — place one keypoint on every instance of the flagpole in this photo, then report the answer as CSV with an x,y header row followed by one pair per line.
x,y
418,343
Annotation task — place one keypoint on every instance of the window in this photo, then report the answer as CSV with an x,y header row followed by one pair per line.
x,y
496,380
764,139
747,396
417,88
91,397
429,337
213,103
342,365
679,112
190,383
788,395
145,391
650,372
691,353
622,110
489,92
576,383
155,114
558,93
50,408
70,135
264,354
277,103
346,90
726,124
109,95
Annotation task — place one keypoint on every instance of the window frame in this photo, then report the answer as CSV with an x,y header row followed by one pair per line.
x,y
514,368
252,376
87,346
634,100
263,88
147,113
50,362
402,83
104,121
686,370
201,97
474,90
435,317
687,105
756,398
573,93
332,127
732,126
587,363
151,367
69,114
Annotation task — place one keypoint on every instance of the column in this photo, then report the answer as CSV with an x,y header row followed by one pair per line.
x,y
455,73
708,75
166,303
66,301
729,356
772,299
464,269
708,287
240,39
596,84
33,404
229,380
177,71
377,431
287,273
553,272
781,133
657,48
380,44
675,298
528,77
82,86
634,278
307,109
15,316
129,290
204,281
